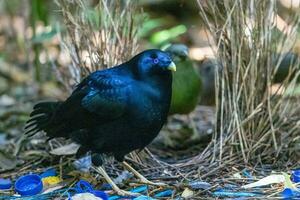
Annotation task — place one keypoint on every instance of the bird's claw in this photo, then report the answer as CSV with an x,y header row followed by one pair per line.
x,y
147,182
124,193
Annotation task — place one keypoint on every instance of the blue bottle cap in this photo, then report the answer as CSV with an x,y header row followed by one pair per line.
x,y
296,175
5,184
29,185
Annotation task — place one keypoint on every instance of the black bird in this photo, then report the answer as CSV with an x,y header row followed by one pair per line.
x,y
113,111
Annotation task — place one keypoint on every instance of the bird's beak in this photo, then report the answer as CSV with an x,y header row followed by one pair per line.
x,y
172,67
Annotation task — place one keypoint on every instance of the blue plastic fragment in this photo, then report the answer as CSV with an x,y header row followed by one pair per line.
x,y
105,186
83,186
165,193
296,176
125,175
288,193
48,172
143,197
114,197
47,196
140,189
83,164
230,186
5,184
196,185
247,174
230,193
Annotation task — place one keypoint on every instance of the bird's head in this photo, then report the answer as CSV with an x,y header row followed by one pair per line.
x,y
178,52
153,62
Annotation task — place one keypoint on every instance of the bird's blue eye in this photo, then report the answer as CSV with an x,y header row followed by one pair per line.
x,y
155,61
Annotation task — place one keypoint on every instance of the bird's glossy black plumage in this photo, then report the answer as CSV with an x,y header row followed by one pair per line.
x,y
113,111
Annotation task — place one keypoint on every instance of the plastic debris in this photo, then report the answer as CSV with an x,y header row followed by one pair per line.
x,y
296,176
231,186
124,176
230,193
83,164
289,193
28,185
237,175
196,185
143,197
5,184
85,196
3,140
287,181
165,193
51,180
247,174
106,186
69,149
275,178
48,172
141,189
187,193
46,196
85,187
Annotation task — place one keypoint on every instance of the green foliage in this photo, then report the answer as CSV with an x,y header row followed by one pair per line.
x,y
38,13
46,35
150,24
165,36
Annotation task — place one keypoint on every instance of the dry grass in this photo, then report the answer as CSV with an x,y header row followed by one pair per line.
x,y
97,36
253,123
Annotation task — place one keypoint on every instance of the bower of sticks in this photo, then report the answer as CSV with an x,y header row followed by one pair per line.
x,y
244,128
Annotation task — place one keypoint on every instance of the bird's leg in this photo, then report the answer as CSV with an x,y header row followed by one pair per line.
x,y
140,176
120,192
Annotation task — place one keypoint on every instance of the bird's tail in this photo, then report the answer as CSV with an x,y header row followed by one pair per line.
x,y
41,118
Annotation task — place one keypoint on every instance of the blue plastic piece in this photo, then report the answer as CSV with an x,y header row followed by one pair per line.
x,y
196,185
83,164
140,189
230,193
5,184
165,193
296,176
143,197
41,196
84,187
288,193
247,174
29,185
48,172
106,186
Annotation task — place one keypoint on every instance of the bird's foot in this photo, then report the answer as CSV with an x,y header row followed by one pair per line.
x,y
141,177
125,193
113,185
147,182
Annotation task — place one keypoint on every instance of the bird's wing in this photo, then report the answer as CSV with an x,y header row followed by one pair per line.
x,y
99,98
106,95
